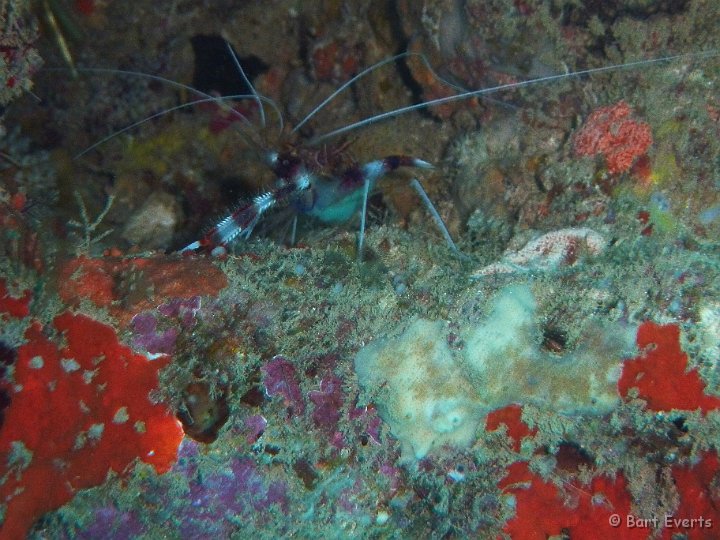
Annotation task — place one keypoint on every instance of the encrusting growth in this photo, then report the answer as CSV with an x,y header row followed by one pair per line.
x,y
431,396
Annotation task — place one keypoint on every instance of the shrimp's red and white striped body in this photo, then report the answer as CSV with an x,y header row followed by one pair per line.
x,y
329,197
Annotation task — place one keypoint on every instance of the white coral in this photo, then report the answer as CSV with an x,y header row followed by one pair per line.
x,y
548,252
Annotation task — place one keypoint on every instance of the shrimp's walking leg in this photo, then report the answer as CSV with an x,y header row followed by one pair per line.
x,y
370,173
240,223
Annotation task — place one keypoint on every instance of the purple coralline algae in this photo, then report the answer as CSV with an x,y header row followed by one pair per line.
x,y
156,331
109,523
328,401
254,427
281,379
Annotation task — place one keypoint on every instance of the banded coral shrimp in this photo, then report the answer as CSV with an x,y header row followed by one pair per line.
x,y
322,183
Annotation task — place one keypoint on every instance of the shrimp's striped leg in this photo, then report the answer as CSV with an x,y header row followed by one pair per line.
x,y
240,223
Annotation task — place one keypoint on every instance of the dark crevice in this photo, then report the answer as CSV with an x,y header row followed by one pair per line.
x,y
401,64
215,69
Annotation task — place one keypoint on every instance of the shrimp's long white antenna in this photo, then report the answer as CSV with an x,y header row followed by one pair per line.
x,y
342,88
157,115
205,98
367,71
248,83
163,80
508,86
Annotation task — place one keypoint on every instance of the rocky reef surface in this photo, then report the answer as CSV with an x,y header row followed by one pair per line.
x,y
557,377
